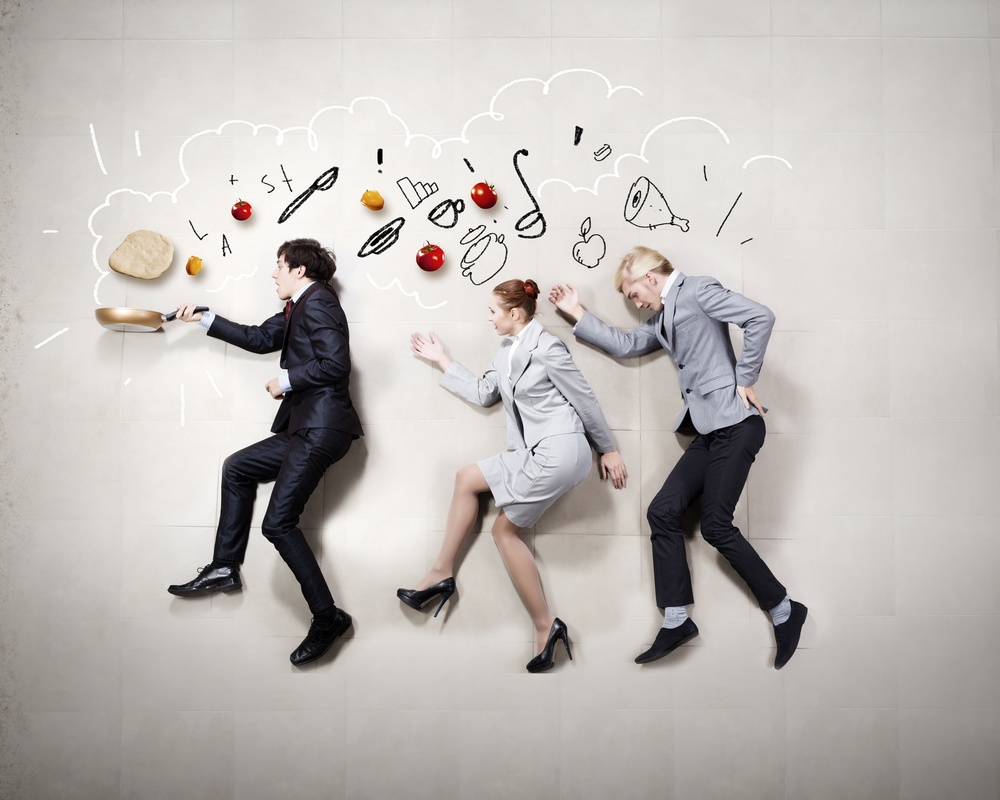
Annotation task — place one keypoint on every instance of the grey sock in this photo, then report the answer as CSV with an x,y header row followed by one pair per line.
x,y
674,616
781,612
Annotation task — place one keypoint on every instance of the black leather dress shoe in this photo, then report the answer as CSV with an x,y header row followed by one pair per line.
x,y
210,580
667,640
323,630
786,635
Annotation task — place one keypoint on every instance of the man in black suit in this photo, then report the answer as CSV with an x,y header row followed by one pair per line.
x,y
314,428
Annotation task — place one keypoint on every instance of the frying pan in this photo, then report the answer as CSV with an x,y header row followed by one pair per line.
x,y
134,319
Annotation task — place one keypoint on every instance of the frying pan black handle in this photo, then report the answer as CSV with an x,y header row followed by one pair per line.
x,y
173,314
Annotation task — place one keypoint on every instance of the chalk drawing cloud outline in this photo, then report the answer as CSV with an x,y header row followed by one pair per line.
x,y
497,116
312,140
491,113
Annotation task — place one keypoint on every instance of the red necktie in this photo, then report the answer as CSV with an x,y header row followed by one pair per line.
x,y
288,308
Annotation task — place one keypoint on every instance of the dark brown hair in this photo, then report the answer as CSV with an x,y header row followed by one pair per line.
x,y
319,261
518,294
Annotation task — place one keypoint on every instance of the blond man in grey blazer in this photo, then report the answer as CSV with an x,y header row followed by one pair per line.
x,y
553,420
691,322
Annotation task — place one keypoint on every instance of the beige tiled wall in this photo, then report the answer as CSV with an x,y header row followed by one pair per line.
x,y
874,499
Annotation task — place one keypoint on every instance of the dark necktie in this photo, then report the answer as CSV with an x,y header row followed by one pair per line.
x,y
288,308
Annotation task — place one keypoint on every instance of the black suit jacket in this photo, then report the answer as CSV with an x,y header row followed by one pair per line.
x,y
315,349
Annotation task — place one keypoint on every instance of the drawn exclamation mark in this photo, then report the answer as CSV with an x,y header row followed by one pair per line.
x,y
379,157
576,136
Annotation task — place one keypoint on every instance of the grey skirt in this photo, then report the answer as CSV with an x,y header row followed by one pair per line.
x,y
526,482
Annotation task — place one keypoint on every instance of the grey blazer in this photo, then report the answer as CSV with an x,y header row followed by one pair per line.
x,y
694,328
545,395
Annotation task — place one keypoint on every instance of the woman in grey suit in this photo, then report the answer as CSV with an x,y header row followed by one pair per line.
x,y
551,412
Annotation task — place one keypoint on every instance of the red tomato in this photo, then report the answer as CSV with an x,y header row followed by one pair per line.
x,y
484,195
242,210
430,257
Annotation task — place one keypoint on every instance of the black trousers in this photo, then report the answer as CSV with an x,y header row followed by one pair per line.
x,y
715,466
295,462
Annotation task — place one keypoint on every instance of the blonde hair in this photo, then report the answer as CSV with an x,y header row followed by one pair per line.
x,y
518,294
637,262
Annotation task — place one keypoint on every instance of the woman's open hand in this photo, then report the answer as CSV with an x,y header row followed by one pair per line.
x,y
430,349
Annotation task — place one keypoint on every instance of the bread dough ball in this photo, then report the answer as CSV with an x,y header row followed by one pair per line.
x,y
143,254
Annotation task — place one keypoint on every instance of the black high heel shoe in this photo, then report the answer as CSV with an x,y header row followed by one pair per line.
x,y
546,659
418,598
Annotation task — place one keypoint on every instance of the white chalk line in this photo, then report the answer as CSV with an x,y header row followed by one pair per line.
x,y
138,150
97,150
395,282
53,336
49,230
211,380
776,158
240,277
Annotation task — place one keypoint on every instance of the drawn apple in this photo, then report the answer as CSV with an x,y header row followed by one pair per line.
x,y
591,250
242,210
484,195
430,257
